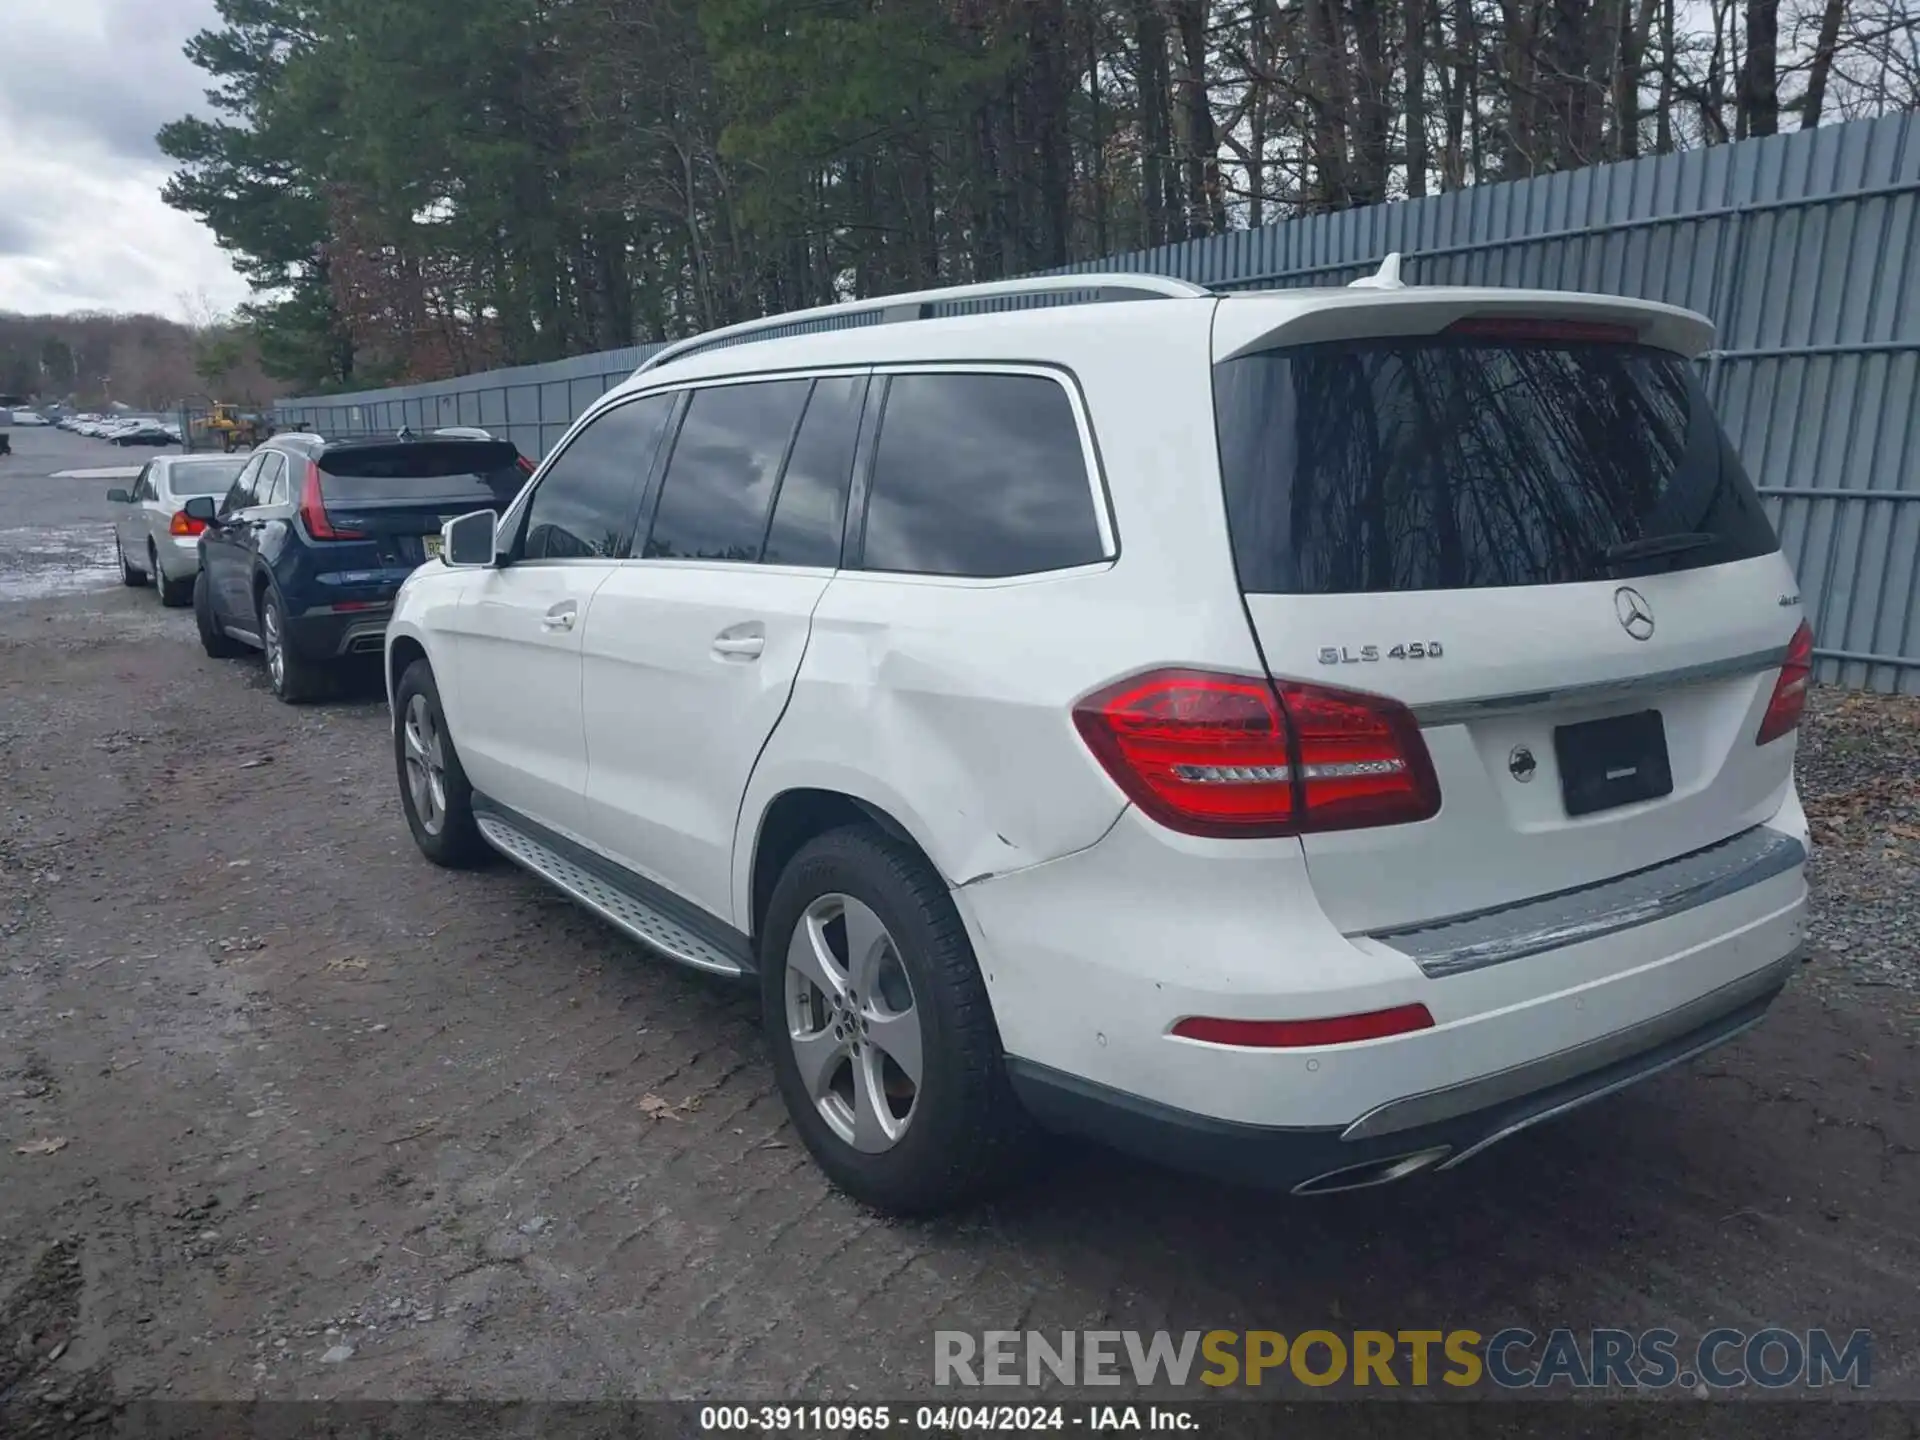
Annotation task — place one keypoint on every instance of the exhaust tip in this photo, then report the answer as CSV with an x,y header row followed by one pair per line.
x,y
1373,1172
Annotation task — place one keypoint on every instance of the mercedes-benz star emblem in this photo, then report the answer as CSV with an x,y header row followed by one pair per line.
x,y
1636,616
1520,764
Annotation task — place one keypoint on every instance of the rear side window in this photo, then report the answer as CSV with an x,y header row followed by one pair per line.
x,y
482,472
718,489
979,475
1446,463
812,503
583,506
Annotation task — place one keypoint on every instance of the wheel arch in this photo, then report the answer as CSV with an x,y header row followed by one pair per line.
x,y
788,822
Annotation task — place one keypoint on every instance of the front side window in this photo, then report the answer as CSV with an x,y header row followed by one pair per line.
x,y
979,475
718,489
583,505
240,495
1453,462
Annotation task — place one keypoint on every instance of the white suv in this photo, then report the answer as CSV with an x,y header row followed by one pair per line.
x,y
1303,736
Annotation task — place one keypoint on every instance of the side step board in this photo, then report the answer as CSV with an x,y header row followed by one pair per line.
x,y
593,883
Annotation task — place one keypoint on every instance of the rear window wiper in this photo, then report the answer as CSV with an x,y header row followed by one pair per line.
x,y
1653,547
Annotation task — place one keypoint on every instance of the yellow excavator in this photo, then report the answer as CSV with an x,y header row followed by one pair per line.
x,y
236,431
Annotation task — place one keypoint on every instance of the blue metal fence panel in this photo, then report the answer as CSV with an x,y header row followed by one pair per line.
x,y
1800,248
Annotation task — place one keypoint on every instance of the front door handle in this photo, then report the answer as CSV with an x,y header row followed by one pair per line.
x,y
743,642
561,616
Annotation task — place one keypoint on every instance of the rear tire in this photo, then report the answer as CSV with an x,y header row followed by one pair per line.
x,y
130,577
434,791
173,593
215,641
295,679
859,892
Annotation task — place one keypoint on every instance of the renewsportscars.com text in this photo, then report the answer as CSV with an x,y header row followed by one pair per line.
x,y
1512,1358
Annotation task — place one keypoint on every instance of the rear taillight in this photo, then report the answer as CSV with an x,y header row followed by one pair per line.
x,y
313,511
1789,699
184,524
1289,1034
1236,755
526,465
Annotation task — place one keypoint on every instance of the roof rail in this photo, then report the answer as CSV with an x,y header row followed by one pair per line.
x,y
920,305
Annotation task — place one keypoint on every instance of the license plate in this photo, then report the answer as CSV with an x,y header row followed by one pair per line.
x,y
1608,763
430,544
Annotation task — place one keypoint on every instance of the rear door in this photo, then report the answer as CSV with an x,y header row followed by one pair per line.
x,y
1535,535
692,647
513,643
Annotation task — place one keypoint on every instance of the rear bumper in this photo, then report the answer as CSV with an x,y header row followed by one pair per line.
x,y
323,634
1091,960
1432,1131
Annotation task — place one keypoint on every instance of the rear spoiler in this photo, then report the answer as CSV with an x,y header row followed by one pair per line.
x,y
1245,324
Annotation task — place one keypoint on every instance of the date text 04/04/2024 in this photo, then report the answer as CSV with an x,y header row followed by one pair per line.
x,y
825,1419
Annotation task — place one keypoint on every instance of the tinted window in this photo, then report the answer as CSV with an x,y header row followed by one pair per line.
x,y
202,477
584,502
719,483
271,486
240,496
812,503
1445,464
979,475
481,473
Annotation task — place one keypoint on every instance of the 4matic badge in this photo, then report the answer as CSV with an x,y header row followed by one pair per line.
x,y
1406,650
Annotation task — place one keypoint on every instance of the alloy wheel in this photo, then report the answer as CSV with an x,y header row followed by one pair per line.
x,y
276,649
426,765
852,1023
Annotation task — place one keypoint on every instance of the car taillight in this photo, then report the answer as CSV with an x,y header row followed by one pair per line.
x,y
1789,699
526,465
313,511
1288,1034
184,524
1235,755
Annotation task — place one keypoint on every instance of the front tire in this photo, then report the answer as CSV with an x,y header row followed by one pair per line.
x,y
434,791
883,1040
215,641
295,679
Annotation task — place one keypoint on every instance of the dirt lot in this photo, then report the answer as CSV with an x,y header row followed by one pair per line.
x,y
336,1123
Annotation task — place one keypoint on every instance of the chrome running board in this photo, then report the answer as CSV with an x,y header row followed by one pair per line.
x,y
612,902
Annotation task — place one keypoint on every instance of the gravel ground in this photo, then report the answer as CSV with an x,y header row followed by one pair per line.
x,y
1859,771
286,1112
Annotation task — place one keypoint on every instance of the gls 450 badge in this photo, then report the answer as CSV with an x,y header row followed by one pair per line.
x,y
1406,650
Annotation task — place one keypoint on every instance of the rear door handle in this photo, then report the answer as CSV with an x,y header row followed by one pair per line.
x,y
561,616
742,642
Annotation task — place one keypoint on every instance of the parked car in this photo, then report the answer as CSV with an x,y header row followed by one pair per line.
x,y
1303,736
302,556
143,432
27,419
155,539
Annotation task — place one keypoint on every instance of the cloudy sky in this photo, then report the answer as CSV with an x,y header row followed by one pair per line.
x,y
83,86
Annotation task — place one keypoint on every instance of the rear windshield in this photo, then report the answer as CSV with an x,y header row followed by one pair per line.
x,y
486,472
204,477
1447,463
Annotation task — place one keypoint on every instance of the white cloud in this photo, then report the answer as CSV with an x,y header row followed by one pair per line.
x,y
83,86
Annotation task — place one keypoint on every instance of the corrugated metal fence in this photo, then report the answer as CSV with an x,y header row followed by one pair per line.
x,y
1802,248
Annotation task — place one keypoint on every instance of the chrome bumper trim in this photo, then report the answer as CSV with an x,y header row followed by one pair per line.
x,y
1590,912
1651,1037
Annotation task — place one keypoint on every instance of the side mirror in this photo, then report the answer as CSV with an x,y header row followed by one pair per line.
x,y
120,497
468,540
203,509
